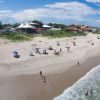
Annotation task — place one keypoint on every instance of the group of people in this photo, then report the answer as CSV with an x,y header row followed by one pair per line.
x,y
35,50
43,77
91,42
89,92
46,50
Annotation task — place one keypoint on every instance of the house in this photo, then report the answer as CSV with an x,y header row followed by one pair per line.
x,y
79,28
72,28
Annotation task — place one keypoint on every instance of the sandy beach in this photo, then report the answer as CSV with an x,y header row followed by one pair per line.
x,y
20,79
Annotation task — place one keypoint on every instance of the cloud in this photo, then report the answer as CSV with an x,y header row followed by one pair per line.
x,y
93,1
58,11
97,2
98,21
5,13
73,8
66,10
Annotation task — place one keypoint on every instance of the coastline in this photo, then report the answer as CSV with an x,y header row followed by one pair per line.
x,y
29,87
20,79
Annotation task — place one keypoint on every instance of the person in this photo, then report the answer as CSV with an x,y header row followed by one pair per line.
x,y
87,93
37,51
68,47
41,73
74,43
44,79
98,37
50,48
92,43
45,51
58,43
78,63
16,54
91,91
60,50
31,53
56,52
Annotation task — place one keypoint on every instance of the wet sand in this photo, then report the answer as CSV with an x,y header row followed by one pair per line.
x,y
31,87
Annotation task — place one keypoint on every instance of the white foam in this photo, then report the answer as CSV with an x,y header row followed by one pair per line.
x,y
77,91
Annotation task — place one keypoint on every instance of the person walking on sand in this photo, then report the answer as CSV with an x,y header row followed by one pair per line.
x,y
41,74
60,49
74,43
78,63
68,47
92,43
58,44
44,79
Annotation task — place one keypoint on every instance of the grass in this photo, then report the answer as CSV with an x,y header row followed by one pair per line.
x,y
61,33
96,32
16,36
21,36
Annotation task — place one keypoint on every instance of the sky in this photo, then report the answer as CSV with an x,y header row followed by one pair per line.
x,y
55,11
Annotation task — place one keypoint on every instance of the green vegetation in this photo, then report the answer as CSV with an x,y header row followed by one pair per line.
x,y
55,25
21,36
96,32
61,33
16,36
38,24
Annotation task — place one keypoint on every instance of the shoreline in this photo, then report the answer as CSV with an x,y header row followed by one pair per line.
x,y
20,78
30,87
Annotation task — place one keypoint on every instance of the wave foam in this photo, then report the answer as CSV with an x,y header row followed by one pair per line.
x,y
77,91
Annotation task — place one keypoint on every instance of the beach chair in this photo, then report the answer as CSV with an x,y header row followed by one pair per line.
x,y
16,55
58,44
45,52
56,53
31,53
50,48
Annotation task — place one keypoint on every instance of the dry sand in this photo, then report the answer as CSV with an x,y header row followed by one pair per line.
x,y
20,79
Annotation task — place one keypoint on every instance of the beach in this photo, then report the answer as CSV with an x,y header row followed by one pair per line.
x,y
20,78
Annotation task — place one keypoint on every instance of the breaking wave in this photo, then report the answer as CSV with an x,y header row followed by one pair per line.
x,y
77,91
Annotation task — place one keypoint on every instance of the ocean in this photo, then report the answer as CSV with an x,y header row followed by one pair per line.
x,y
91,81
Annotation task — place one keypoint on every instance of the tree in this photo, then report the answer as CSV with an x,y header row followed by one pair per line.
x,y
50,24
38,24
6,26
0,24
15,25
55,25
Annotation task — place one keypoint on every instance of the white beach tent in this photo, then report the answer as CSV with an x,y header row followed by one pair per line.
x,y
46,26
22,25
27,25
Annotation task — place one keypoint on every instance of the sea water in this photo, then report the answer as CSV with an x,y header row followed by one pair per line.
x,y
77,91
